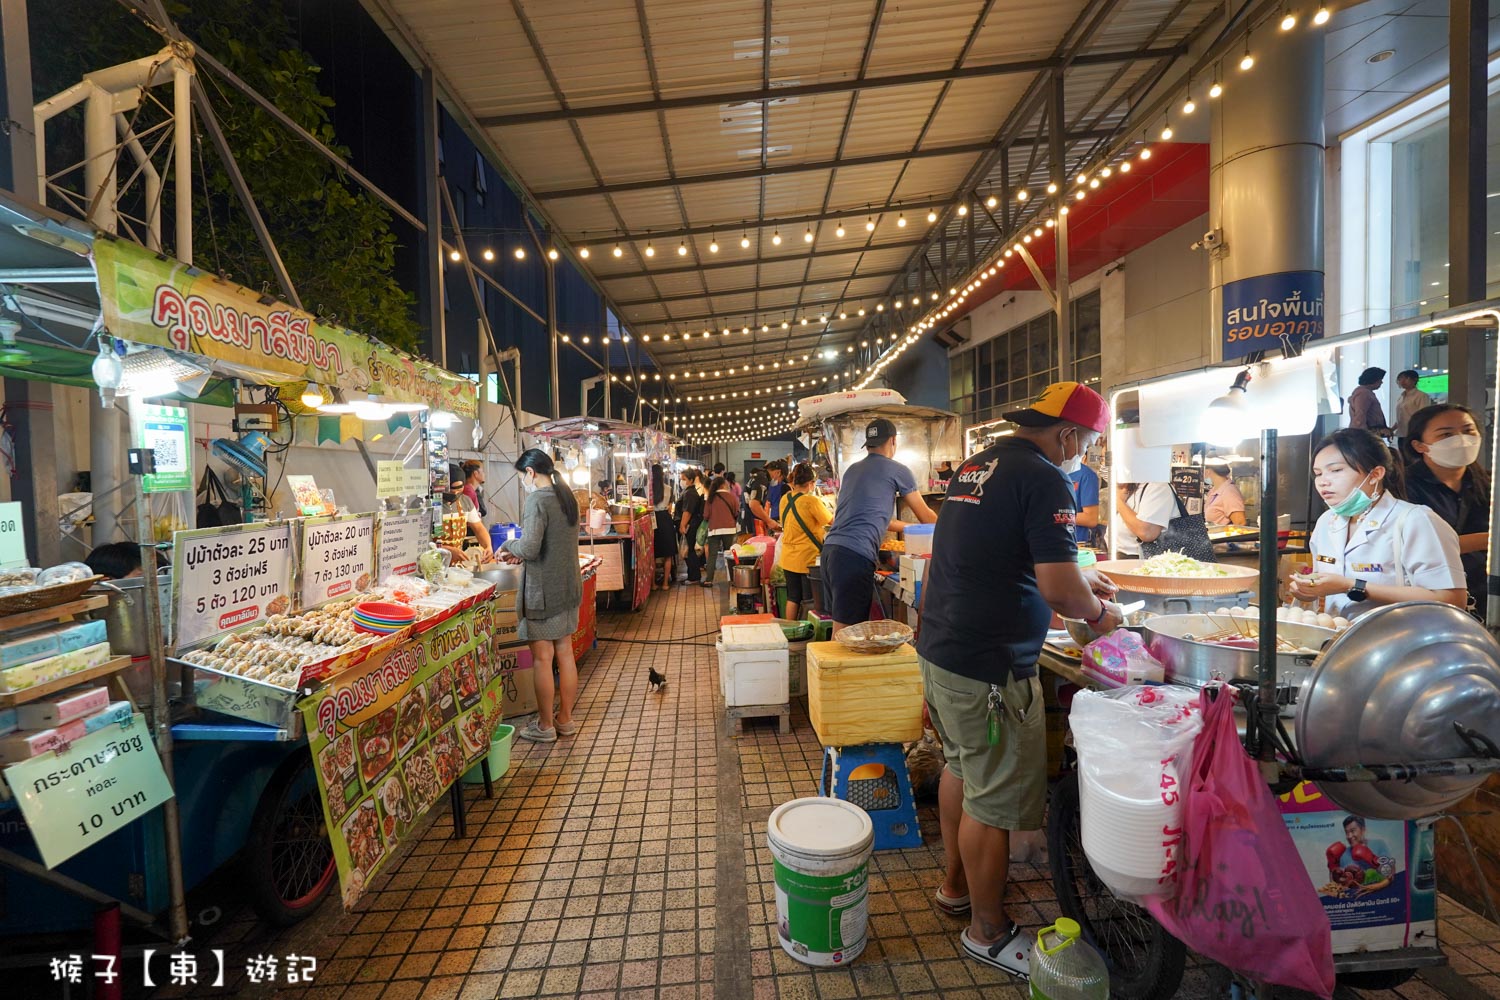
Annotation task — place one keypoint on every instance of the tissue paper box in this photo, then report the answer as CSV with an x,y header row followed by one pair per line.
x,y
30,743
55,711
78,635
118,711
8,723
27,647
53,667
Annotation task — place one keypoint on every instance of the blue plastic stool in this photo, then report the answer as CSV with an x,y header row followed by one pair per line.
x,y
884,793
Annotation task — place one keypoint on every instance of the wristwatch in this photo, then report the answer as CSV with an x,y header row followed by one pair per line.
x,y
1357,593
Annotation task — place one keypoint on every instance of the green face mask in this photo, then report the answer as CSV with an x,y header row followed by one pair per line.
x,y
1355,504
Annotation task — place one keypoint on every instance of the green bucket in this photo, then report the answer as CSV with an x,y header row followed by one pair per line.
x,y
499,757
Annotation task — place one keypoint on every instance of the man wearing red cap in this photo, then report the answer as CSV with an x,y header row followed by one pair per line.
x,y
1003,559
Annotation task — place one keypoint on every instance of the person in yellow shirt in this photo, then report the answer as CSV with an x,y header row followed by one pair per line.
x,y
804,521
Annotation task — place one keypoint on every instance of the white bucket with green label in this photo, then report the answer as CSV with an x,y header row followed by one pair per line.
x,y
822,858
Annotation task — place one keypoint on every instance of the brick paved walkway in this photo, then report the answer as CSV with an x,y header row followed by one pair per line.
x,y
630,861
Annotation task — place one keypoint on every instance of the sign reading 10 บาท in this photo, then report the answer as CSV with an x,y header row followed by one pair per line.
x,y
1268,311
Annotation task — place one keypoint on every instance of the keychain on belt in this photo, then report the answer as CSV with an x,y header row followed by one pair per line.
x,y
996,708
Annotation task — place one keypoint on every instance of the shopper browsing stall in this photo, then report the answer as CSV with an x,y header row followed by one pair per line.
x,y
1444,474
722,516
1371,547
762,518
805,519
551,591
1224,503
867,499
689,520
1142,513
777,471
664,539
1005,541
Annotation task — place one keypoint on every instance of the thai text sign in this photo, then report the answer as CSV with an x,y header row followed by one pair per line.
x,y
402,537
170,304
337,557
76,796
1261,313
223,578
392,734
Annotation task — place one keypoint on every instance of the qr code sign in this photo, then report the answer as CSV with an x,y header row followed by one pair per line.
x,y
167,443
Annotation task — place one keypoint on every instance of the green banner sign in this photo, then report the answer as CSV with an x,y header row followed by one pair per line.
x,y
76,796
149,300
390,735
164,429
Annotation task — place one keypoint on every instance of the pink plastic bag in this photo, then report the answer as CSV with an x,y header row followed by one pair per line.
x,y
1243,896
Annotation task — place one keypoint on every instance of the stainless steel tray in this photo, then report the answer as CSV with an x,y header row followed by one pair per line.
x,y
243,698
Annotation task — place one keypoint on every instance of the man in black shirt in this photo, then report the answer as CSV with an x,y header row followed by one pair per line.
x,y
1003,559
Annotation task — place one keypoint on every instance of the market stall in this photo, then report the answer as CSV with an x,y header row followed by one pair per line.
x,y
608,463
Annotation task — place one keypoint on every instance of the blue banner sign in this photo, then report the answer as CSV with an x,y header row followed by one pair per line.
x,y
1261,313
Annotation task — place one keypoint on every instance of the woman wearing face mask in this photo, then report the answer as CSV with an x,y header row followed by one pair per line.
x,y
1444,473
551,591
1371,547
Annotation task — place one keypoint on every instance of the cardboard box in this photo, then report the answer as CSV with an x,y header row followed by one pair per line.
x,y
31,743
117,712
855,698
518,697
63,708
914,568
53,668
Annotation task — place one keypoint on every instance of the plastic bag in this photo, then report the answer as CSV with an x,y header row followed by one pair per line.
x,y
1243,898
1121,658
1132,744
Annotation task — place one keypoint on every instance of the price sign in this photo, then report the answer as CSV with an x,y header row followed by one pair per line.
x,y
12,536
337,557
402,537
223,578
415,483
75,797
390,479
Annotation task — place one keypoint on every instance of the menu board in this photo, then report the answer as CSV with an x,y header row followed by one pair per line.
x,y
390,735
224,578
402,538
1187,483
337,557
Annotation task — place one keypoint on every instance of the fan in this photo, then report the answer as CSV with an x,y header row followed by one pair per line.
x,y
248,454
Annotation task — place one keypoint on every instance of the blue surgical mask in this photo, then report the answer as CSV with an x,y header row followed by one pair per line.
x,y
1355,504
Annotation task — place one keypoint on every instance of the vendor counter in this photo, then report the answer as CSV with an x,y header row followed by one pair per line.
x,y
627,560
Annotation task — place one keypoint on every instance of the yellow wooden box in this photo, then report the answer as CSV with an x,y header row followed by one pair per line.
x,y
855,698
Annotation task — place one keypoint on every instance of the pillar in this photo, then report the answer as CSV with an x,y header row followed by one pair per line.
x,y
29,406
1266,198
1467,151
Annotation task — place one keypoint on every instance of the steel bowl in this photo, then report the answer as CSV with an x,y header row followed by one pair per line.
x,y
1389,691
505,576
1173,640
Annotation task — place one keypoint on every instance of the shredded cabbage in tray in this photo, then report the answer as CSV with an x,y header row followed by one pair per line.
x,y
1176,564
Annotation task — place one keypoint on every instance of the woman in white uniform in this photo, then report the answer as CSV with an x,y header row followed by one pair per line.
x,y
1371,547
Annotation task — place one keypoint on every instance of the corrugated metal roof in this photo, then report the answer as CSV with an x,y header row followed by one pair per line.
x,y
730,165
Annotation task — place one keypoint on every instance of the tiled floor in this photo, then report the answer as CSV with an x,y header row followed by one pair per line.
x,y
630,861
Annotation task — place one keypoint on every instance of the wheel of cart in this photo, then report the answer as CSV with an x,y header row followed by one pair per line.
x,y
288,858
1145,962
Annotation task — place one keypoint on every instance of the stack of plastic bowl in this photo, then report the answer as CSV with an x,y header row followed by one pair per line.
x,y
1129,840
382,618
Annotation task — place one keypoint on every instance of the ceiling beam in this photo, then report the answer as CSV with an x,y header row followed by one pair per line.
x,y
764,314
774,94
733,228
716,293
721,264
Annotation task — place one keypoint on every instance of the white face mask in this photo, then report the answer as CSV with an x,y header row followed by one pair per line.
x,y
530,484
1070,465
1456,452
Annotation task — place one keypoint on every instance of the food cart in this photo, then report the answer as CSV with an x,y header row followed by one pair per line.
x,y
1319,713
608,463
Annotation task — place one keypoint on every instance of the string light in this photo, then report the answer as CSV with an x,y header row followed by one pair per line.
x,y
1247,60
1322,16
931,216
583,252
713,244
807,237
650,250
618,251
839,232
488,254
552,253
1022,195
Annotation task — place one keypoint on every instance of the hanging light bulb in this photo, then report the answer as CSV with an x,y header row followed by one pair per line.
x,y
1189,105
583,252
1105,172
488,254
552,253
870,224
776,238
713,244
1125,167
1146,152
650,250
520,253
744,241
963,209
1052,189
454,256
618,252
1166,130
1288,21
807,237
107,372
312,396
839,232
991,201
1022,195
931,216
1322,16
901,221
682,249
1247,60
1216,88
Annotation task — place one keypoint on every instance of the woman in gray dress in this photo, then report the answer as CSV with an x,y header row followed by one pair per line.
x,y
551,590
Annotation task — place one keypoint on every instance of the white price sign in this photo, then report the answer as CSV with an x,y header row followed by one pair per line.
x,y
337,557
402,537
390,480
224,578
12,536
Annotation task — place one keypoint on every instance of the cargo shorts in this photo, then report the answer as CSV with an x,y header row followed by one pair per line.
x,y
1005,786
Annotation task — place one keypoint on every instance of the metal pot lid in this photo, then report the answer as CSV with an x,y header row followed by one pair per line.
x,y
1388,691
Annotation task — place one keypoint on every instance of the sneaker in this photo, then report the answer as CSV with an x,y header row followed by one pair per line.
x,y
534,733
1012,953
567,728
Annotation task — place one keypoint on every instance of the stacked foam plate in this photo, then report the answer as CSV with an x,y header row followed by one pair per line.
x,y
382,618
1130,842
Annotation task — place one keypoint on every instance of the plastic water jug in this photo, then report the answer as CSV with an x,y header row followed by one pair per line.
x,y
1065,967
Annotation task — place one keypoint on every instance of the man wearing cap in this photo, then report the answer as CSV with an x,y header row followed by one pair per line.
x,y
1003,560
866,505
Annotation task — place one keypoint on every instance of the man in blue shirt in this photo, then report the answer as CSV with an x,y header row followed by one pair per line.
x,y
866,509
778,488
1086,502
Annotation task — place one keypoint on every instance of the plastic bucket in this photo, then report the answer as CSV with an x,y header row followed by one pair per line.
x,y
499,757
821,848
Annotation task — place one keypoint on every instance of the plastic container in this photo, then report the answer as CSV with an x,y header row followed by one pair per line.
x,y
1065,967
1087,558
821,848
855,698
499,757
918,539
501,533
753,665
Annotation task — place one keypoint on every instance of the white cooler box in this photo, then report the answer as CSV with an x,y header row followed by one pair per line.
x,y
753,665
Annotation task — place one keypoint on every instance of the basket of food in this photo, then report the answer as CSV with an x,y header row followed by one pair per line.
x,y
873,637
1175,573
27,589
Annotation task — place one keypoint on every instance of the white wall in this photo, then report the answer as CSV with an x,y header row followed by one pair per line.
x,y
1167,325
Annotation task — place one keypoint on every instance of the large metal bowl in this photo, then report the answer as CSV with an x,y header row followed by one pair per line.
x,y
1172,640
1388,691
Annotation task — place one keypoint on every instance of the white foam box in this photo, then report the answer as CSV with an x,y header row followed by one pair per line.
x,y
913,569
753,665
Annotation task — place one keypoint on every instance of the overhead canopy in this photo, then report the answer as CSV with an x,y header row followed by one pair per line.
x,y
152,300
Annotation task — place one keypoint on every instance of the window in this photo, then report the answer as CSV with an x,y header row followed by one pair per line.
x,y
994,376
1086,340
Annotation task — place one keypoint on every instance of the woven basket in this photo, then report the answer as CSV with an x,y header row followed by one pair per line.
x,y
1236,579
873,637
45,597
